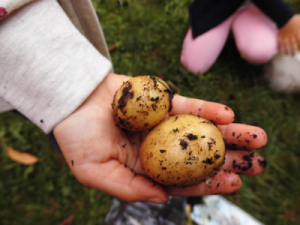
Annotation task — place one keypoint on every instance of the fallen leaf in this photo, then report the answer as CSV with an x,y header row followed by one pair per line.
x,y
111,48
21,157
68,221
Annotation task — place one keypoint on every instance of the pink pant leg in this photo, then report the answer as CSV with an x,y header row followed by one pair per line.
x,y
255,35
199,54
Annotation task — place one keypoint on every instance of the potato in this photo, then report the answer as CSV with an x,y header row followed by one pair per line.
x,y
141,103
182,151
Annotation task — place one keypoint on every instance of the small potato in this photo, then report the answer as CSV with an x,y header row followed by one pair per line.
x,y
141,103
182,151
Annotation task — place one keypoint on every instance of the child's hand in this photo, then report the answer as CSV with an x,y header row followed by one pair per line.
x,y
105,157
289,36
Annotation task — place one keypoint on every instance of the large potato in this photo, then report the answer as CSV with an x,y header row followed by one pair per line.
x,y
182,151
141,103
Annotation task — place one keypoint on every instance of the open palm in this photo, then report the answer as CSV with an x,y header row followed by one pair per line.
x,y
105,157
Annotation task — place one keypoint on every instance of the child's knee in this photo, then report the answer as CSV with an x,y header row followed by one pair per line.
x,y
259,54
194,64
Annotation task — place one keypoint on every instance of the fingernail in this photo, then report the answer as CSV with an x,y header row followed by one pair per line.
x,y
155,200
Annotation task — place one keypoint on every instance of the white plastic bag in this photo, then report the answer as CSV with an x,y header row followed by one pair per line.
x,y
216,210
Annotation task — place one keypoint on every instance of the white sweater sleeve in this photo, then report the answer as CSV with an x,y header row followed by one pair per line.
x,y
47,68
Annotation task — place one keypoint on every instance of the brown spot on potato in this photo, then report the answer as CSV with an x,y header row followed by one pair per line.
x,y
145,113
154,80
154,99
192,137
121,121
208,161
171,96
217,156
154,107
183,144
126,95
210,145
162,151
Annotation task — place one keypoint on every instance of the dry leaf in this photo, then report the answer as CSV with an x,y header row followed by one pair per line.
x,y
68,221
21,157
111,48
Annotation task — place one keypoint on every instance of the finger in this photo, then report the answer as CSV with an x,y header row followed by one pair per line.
x,y
242,135
293,46
285,44
120,181
224,182
298,41
216,112
243,162
279,45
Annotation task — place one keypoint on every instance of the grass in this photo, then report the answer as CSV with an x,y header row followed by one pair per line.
x,y
148,36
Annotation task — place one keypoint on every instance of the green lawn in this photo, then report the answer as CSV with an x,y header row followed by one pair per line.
x,y
148,36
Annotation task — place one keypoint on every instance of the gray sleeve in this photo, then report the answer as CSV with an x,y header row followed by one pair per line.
x,y
47,67
5,106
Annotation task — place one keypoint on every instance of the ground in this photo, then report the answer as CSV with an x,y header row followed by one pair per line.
x,y
145,38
